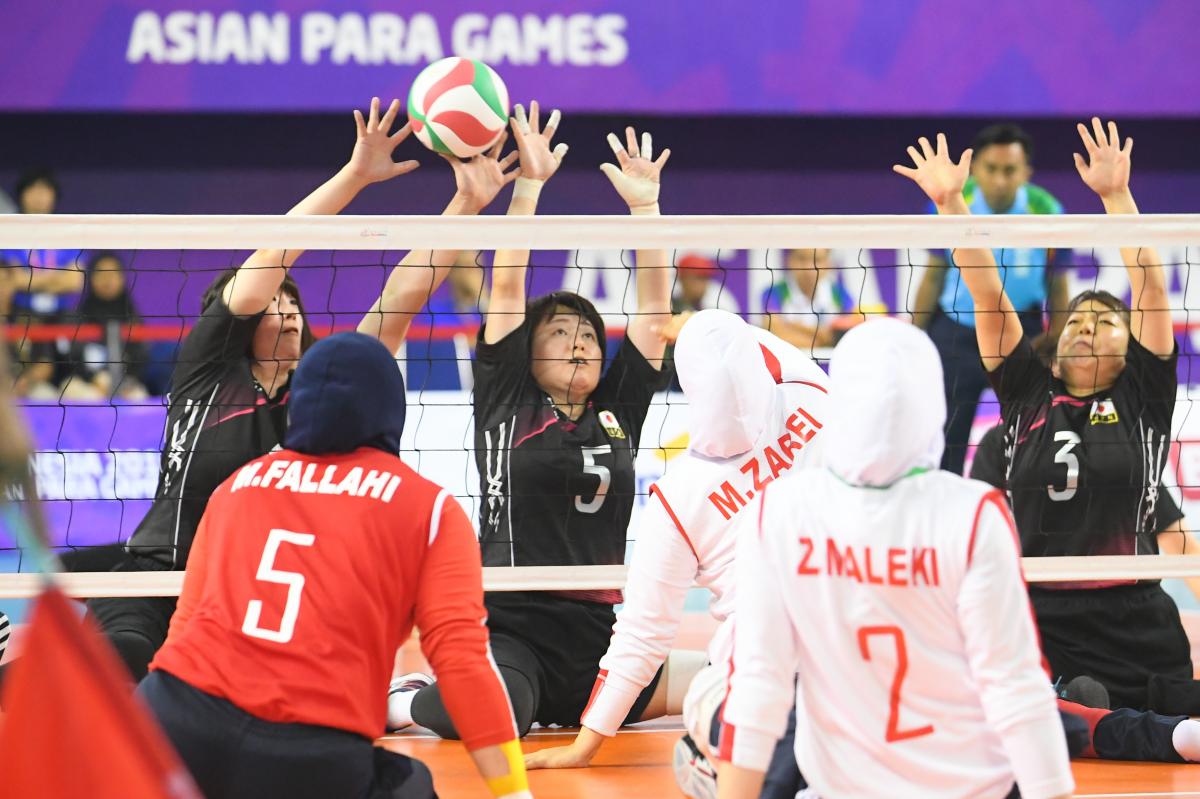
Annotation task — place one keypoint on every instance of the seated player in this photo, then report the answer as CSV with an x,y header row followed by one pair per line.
x,y
555,441
1086,440
756,405
311,566
885,597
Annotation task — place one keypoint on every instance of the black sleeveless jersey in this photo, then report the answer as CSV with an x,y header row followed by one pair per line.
x,y
1083,472
556,492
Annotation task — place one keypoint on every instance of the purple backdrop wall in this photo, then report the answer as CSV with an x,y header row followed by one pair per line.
x,y
669,56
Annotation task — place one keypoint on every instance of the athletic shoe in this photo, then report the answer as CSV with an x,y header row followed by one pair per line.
x,y
5,629
400,698
695,775
1086,691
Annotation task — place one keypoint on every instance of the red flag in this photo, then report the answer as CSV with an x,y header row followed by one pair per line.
x,y
71,726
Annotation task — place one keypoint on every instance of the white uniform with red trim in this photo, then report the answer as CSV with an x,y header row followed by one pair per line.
x,y
892,594
756,407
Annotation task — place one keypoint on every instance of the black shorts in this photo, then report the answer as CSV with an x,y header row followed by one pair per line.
x,y
234,755
1130,638
557,644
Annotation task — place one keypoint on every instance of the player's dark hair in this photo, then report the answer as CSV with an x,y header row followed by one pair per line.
x,y
289,287
32,178
540,309
1108,300
1003,133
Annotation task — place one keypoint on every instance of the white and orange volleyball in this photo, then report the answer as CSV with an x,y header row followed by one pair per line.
x,y
458,106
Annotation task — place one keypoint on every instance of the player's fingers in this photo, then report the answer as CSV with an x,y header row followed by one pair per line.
x,y
522,120
915,156
508,160
552,125
404,167
1089,143
373,118
926,147
662,158
647,147
494,152
942,145
389,118
1098,129
1113,138
907,171
631,142
401,134
359,125
615,144
509,177
534,116
1128,148
1080,164
964,161
560,150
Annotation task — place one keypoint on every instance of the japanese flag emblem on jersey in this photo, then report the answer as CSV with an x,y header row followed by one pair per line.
x,y
1104,412
610,424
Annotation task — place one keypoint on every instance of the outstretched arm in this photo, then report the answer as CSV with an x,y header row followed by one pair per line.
x,y
637,180
1106,172
506,305
419,273
997,326
260,277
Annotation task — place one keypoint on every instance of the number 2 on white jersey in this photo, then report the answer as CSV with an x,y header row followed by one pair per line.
x,y
269,574
894,733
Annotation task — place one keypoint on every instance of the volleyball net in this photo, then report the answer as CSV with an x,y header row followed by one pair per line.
x,y
92,363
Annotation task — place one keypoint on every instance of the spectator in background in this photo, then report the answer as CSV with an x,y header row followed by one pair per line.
x,y
39,287
111,364
695,289
1033,278
803,307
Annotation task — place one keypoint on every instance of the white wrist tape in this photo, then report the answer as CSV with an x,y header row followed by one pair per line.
x,y
527,189
645,210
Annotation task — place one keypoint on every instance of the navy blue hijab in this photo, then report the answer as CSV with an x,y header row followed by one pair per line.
x,y
347,393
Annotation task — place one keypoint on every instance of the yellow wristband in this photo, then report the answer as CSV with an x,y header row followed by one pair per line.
x,y
515,780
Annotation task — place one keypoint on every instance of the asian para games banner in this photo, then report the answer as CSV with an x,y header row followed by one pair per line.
x,y
1068,57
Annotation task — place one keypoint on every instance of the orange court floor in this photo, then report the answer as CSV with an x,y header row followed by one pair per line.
x,y
637,763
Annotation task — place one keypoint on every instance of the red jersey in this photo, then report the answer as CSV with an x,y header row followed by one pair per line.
x,y
309,572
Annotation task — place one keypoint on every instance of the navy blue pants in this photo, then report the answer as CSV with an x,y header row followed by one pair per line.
x,y
783,778
234,755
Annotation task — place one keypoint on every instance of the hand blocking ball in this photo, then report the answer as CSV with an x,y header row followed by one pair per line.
x,y
458,106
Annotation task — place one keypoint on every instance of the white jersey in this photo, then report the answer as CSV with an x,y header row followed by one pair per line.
x,y
686,534
904,613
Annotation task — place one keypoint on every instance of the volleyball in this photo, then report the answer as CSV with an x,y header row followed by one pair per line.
x,y
458,106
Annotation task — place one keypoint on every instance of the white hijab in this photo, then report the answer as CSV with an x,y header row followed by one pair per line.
x,y
888,404
730,391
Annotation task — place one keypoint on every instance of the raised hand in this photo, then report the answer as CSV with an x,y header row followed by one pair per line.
x,y
538,161
637,177
940,178
371,160
1106,170
480,179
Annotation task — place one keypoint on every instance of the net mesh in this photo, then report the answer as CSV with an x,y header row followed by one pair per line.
x,y
93,363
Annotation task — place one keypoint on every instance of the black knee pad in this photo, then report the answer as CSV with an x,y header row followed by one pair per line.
x,y
522,697
429,711
136,651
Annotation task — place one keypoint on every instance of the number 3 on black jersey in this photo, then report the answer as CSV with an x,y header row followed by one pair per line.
x,y
1068,458
591,467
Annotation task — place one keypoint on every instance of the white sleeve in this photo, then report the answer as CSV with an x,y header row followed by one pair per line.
x,y
997,623
762,681
662,569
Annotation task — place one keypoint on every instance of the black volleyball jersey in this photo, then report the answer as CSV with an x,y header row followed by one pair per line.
x,y
556,492
1083,472
218,418
990,466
